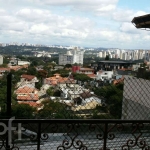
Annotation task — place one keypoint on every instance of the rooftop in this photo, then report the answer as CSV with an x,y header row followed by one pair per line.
x,y
29,77
120,62
142,21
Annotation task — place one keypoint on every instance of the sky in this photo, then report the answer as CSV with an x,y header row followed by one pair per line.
x,y
85,23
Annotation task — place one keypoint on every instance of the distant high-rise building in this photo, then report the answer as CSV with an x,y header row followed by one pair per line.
x,y
147,55
104,54
100,54
72,57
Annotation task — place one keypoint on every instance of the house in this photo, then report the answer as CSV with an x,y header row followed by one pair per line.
x,y
27,94
88,71
87,97
78,69
102,75
39,67
3,71
125,71
21,63
27,80
15,68
57,79
71,91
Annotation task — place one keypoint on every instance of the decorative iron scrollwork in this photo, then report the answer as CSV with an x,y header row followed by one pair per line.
x,y
71,139
44,136
138,140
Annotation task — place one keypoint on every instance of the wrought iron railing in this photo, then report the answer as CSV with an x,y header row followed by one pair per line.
x,y
75,134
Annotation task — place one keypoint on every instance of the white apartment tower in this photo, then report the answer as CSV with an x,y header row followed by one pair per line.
x,y
1,59
72,57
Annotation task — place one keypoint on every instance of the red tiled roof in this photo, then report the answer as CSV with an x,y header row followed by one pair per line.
x,y
25,89
28,97
125,69
115,82
56,80
15,67
28,77
4,69
91,75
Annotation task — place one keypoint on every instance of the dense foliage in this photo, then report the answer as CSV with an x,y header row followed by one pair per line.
x,y
112,99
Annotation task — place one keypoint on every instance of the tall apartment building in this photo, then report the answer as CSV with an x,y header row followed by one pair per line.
x,y
147,55
1,59
72,57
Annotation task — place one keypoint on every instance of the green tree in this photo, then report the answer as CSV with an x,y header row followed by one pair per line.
x,y
81,77
107,57
50,91
62,72
32,71
23,111
68,66
54,110
113,96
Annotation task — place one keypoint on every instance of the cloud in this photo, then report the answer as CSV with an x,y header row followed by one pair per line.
x,y
99,7
129,28
122,15
33,15
40,21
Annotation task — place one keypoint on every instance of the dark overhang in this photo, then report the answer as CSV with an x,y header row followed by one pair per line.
x,y
142,21
116,62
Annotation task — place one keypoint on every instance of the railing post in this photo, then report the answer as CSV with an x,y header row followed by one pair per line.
x,y
105,136
9,87
8,103
39,136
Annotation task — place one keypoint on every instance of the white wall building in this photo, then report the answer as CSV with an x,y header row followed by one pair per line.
x,y
1,59
72,57
23,62
101,75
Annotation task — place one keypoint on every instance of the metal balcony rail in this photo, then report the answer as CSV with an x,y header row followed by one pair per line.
x,y
75,134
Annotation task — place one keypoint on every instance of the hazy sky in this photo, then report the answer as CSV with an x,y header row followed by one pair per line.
x,y
94,23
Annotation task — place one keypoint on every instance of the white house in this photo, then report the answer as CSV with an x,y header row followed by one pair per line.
x,y
89,97
27,80
3,71
101,75
20,62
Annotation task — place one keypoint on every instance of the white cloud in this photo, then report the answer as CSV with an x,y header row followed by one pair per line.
x,y
99,7
40,23
129,28
122,15
33,15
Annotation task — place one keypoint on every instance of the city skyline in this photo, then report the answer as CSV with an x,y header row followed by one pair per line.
x,y
86,23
